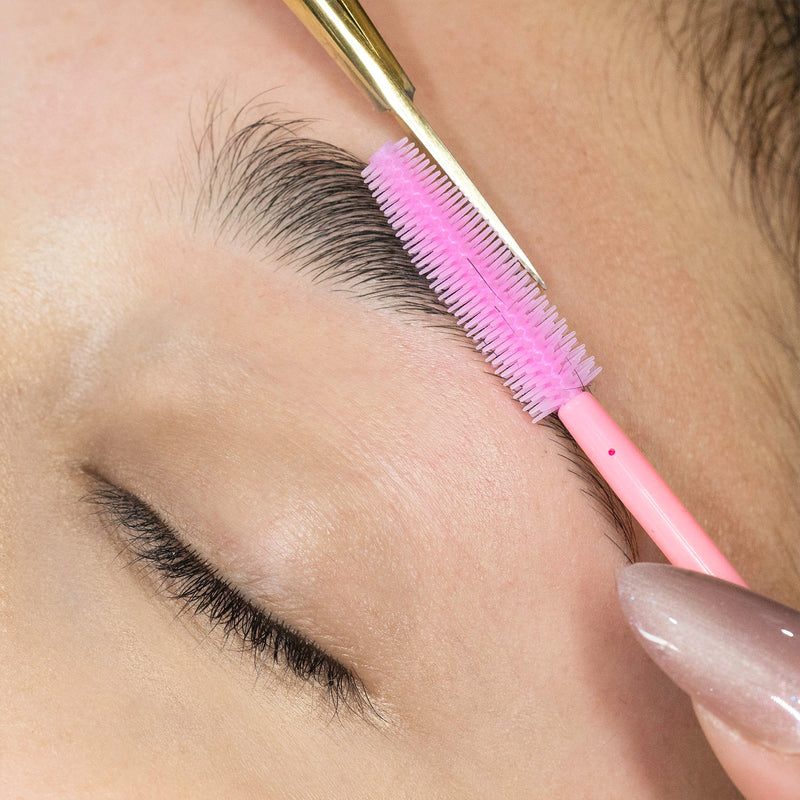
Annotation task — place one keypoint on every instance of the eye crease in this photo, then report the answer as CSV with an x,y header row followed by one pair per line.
x,y
188,579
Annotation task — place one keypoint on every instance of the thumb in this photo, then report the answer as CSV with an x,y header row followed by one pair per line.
x,y
760,772
737,655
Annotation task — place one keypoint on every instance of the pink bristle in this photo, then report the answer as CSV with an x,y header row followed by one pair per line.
x,y
487,290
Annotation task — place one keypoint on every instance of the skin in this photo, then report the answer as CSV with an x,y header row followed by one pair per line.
x,y
352,470
760,772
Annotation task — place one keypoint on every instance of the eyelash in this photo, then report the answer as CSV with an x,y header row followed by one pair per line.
x,y
190,580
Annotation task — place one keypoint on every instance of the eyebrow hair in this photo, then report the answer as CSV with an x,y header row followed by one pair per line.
x,y
302,202
745,56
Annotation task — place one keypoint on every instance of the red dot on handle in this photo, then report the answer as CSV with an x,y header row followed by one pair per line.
x,y
612,451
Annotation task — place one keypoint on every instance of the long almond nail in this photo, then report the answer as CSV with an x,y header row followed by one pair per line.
x,y
734,652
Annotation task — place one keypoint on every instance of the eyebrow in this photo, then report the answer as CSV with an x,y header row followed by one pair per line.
x,y
302,202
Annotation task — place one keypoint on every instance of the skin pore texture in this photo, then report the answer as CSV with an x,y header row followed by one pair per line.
x,y
353,471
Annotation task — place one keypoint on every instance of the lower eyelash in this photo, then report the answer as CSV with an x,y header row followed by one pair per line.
x,y
188,579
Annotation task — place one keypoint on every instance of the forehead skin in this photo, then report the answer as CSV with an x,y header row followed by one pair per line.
x,y
357,470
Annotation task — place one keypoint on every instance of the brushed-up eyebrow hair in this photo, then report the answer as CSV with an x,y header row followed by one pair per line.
x,y
302,203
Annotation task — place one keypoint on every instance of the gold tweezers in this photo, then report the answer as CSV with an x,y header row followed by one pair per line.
x,y
347,33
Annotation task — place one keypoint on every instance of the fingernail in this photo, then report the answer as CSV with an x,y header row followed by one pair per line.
x,y
734,652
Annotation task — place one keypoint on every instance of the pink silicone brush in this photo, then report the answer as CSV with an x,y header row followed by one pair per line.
x,y
510,320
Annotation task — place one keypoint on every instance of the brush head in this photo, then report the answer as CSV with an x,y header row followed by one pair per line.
x,y
479,281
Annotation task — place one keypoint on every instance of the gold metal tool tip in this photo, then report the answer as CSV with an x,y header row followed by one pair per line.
x,y
346,32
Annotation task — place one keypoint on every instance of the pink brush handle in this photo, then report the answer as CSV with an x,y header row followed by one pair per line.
x,y
642,489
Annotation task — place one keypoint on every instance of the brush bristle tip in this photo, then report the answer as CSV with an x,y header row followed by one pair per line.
x,y
481,283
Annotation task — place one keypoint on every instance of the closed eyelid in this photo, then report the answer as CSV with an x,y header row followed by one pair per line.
x,y
187,578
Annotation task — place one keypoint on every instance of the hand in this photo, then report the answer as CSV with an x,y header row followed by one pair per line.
x,y
737,654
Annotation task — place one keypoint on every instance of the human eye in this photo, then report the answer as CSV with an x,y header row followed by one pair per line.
x,y
185,578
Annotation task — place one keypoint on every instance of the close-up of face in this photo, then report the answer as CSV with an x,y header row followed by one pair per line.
x,y
269,526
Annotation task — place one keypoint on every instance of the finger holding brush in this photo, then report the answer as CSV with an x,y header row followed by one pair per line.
x,y
737,655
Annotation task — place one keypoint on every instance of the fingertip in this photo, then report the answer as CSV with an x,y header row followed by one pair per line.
x,y
759,772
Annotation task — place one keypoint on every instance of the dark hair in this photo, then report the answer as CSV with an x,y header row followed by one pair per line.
x,y
746,54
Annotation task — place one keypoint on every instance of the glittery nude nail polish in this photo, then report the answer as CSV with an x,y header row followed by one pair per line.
x,y
733,651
